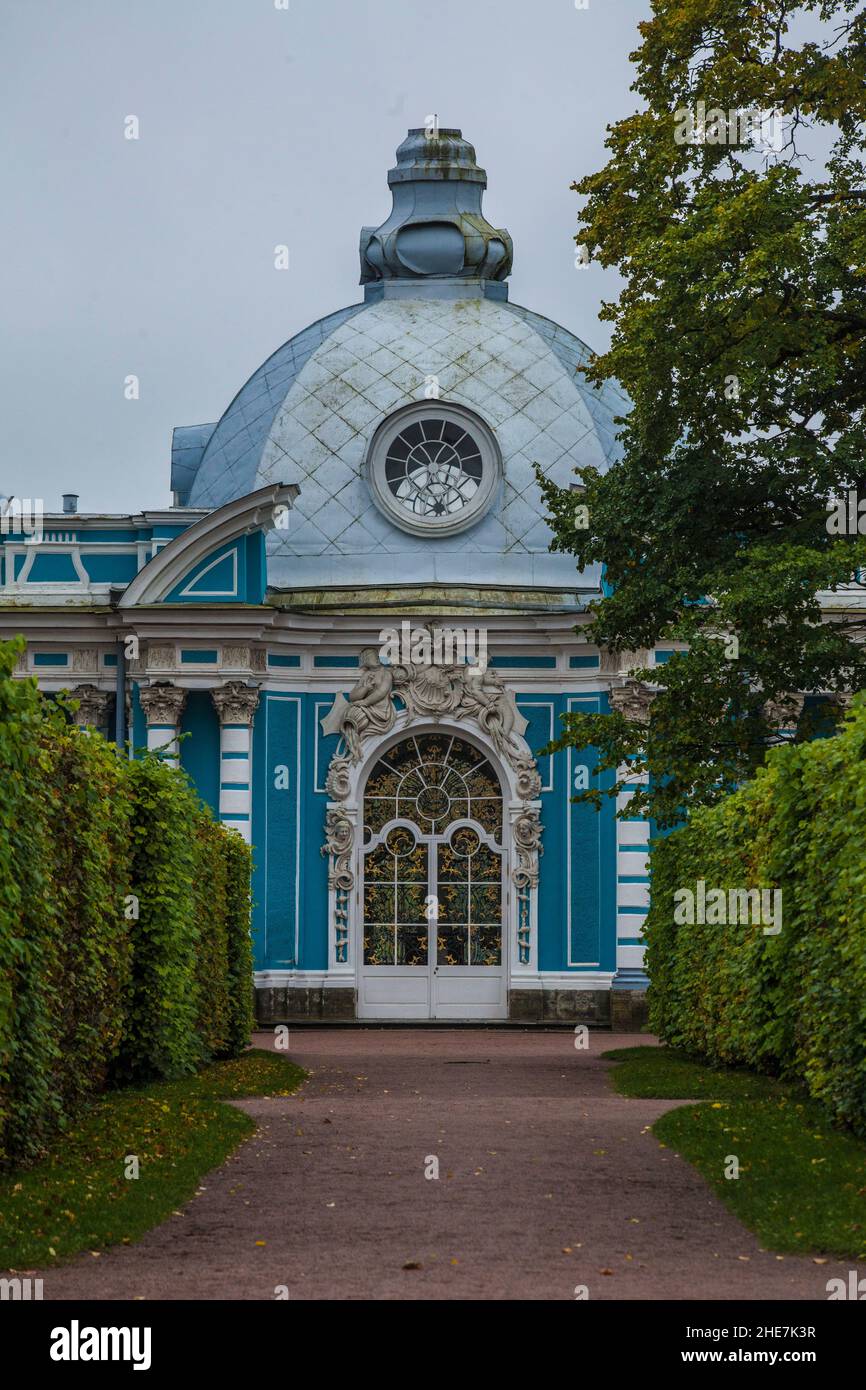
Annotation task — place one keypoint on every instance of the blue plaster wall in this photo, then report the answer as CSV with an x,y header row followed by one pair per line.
x,y
110,569
214,573
138,732
287,900
49,569
200,750
584,937
288,832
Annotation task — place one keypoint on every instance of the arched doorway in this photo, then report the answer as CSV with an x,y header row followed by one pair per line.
x,y
433,883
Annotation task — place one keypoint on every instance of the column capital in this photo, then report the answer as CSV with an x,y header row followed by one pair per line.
x,y
163,703
633,699
784,712
93,705
235,702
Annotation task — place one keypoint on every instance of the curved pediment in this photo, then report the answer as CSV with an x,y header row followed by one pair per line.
x,y
219,559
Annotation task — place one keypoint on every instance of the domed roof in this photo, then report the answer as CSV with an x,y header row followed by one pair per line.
x,y
444,341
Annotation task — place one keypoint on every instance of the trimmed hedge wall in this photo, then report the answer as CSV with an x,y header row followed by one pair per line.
x,y
793,1003
125,949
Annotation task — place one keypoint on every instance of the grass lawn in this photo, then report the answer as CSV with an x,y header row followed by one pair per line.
x,y
78,1198
802,1183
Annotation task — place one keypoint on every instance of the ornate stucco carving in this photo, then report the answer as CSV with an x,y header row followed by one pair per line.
x,y
337,781
339,836
163,703
93,705
528,778
633,699
784,712
526,832
369,709
527,842
620,663
236,657
161,658
339,843
430,692
458,692
841,698
85,659
235,703
243,658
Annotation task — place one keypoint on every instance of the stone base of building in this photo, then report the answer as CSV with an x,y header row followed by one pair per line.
x,y
297,1004
623,1011
590,1006
629,1012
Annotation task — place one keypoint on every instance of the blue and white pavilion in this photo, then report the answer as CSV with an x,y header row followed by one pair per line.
x,y
416,855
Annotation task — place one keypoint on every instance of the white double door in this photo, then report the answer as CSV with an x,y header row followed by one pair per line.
x,y
432,909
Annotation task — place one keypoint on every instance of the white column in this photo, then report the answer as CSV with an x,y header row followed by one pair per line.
x,y
236,703
163,706
632,699
632,879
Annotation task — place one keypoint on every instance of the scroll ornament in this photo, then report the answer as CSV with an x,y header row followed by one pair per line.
x,y
428,691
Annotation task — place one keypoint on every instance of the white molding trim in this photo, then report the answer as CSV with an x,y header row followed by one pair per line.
x,y
237,518
563,979
218,559
345,979
309,979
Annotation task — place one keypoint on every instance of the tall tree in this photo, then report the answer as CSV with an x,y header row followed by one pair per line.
x,y
734,207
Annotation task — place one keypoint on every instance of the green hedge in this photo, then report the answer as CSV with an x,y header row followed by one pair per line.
x,y
159,1035
239,946
213,984
792,1003
124,921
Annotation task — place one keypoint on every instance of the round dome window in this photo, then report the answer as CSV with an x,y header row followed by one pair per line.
x,y
433,468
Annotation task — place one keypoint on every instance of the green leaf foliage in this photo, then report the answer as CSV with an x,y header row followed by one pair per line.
x,y
793,1003
212,961
239,945
92,994
739,337
160,1038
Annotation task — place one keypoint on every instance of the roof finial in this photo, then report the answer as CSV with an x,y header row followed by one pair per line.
x,y
436,229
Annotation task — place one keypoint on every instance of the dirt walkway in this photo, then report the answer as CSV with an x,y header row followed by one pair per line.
x,y
547,1180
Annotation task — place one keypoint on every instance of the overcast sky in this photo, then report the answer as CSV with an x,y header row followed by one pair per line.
x,y
258,126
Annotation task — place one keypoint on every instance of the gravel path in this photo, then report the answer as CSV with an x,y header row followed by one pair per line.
x,y
547,1181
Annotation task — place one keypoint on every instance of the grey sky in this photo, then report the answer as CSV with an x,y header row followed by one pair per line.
x,y
258,127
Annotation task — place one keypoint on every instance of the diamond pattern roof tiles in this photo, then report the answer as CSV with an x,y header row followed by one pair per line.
x,y
309,413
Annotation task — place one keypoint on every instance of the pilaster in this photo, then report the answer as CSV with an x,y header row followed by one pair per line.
x,y
236,704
